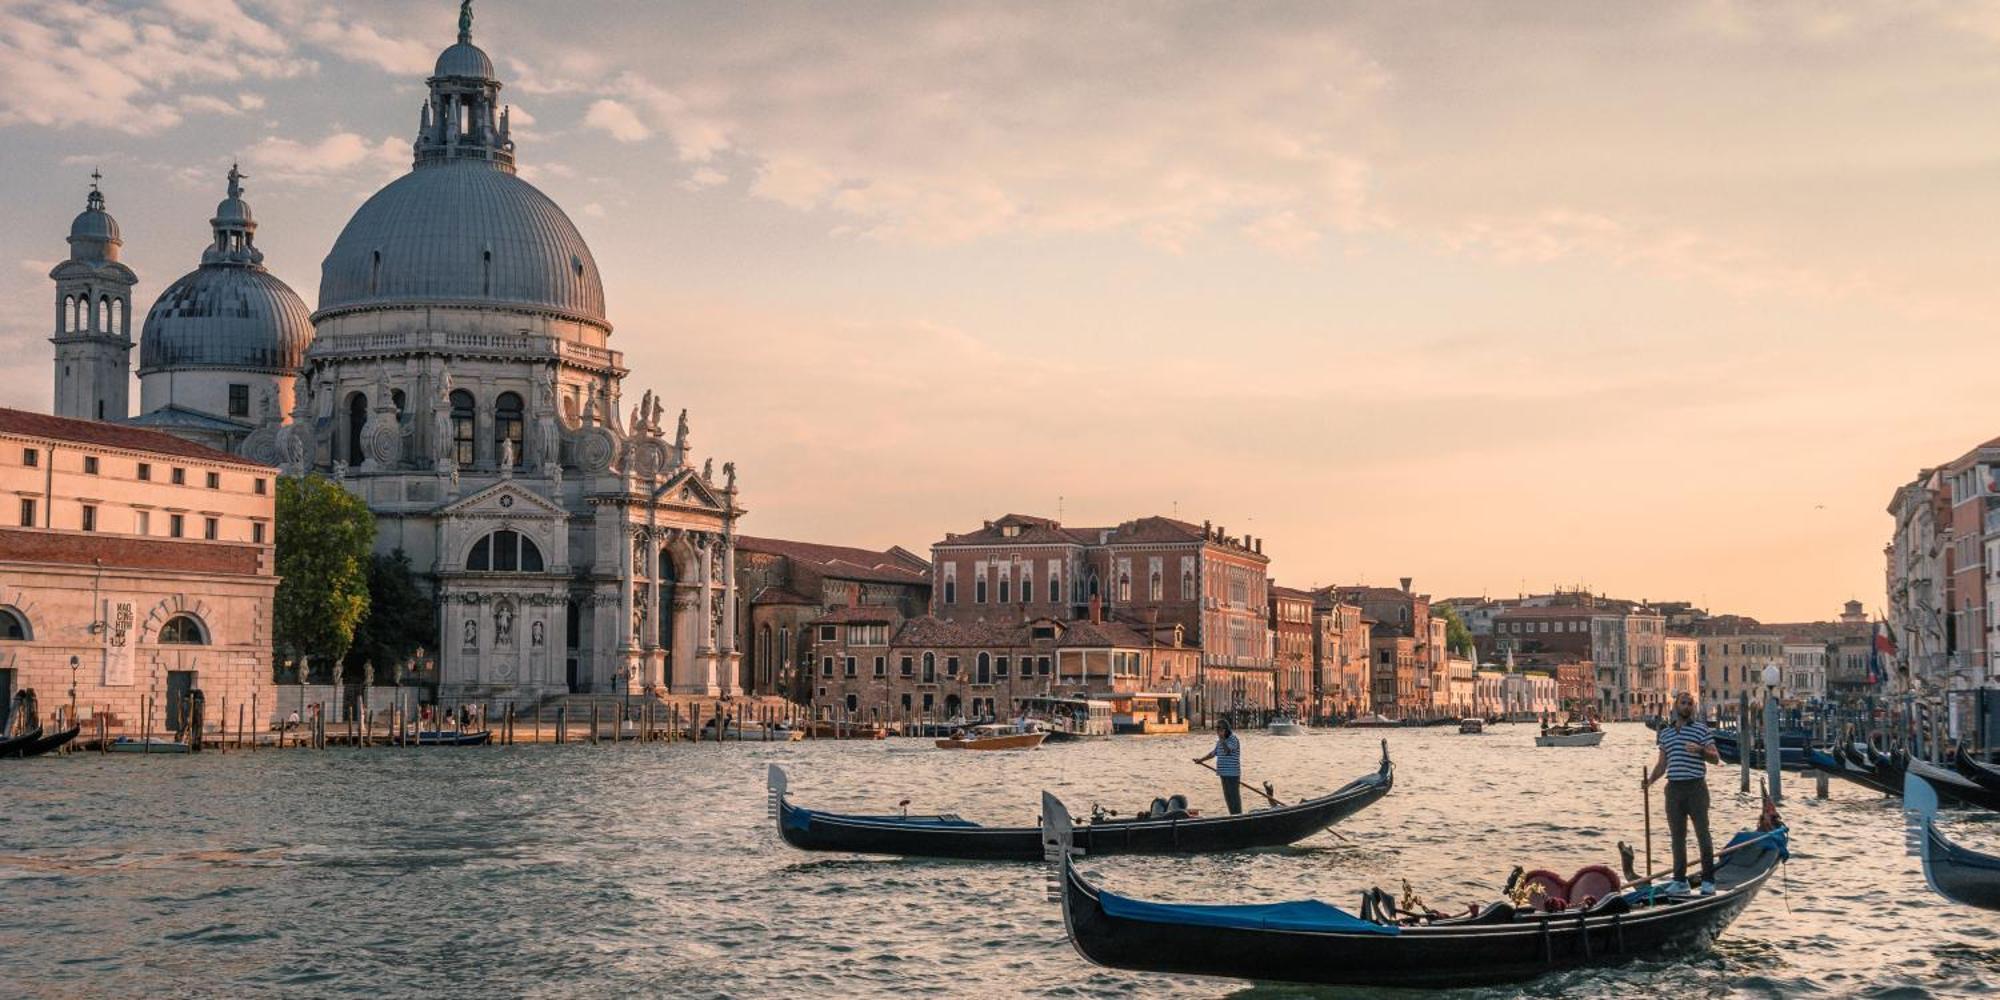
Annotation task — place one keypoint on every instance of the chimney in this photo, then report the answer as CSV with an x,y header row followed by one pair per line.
x,y
1406,585
1096,610
1221,533
1260,546
1207,529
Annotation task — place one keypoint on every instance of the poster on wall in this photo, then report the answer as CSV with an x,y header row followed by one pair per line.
x,y
118,637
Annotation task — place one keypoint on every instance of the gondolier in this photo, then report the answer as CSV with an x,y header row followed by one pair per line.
x,y
1228,757
1686,748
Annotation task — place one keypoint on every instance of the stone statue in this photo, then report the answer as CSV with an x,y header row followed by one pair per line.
x,y
506,456
267,405
708,470
295,450
729,473
339,471
503,624
681,437
465,20
471,634
590,405
236,181
637,426
642,418
535,633
443,446
548,446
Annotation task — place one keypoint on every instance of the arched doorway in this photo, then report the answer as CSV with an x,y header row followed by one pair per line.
x,y
952,706
666,584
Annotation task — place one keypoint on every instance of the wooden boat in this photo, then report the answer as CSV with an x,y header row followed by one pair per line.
x,y
1793,746
148,744
949,836
46,743
1471,726
995,737
1950,784
1978,772
1570,736
1956,873
1285,725
453,738
1312,942
1838,763
1372,721
828,729
11,745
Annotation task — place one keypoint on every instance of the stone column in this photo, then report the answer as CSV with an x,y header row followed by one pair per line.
x,y
625,595
729,595
706,627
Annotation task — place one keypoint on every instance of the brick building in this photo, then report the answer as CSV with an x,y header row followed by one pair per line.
x,y
1341,657
872,665
1403,673
137,567
1144,573
785,585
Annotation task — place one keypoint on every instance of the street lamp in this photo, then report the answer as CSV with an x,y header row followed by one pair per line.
x,y
74,664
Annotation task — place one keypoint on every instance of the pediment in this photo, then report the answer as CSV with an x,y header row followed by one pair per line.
x,y
503,499
686,489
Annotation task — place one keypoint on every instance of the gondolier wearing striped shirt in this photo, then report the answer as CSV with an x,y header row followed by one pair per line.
x,y
1228,757
1686,747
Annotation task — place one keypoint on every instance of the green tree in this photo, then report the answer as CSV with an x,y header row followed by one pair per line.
x,y
400,620
324,534
1457,638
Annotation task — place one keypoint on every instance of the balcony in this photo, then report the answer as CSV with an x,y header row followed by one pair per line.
x,y
512,345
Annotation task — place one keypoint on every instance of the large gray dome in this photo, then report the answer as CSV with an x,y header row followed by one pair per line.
x,y
462,232
226,317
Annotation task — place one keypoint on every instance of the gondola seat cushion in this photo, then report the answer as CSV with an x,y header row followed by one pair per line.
x,y
1297,915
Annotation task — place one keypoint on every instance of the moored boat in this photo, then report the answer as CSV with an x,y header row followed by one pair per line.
x,y
12,745
1174,831
453,738
1977,771
146,744
1471,726
1957,873
1309,941
45,743
1372,721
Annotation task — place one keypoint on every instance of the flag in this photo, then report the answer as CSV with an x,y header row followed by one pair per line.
x,y
1880,650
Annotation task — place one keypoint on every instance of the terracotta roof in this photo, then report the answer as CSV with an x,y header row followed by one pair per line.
x,y
1292,593
31,545
1097,635
1034,530
865,614
109,435
929,631
894,565
780,595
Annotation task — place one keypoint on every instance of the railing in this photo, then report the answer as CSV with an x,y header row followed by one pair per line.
x,y
532,344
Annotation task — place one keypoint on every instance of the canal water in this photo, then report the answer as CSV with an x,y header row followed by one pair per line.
x,y
652,870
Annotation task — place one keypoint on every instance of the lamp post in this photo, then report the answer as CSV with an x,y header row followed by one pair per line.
x,y
1773,750
74,665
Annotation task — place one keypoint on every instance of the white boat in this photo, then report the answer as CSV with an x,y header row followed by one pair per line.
x,y
1285,726
1566,737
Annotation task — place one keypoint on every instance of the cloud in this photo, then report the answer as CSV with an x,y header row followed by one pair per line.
x,y
617,121
87,64
342,154
359,42
594,210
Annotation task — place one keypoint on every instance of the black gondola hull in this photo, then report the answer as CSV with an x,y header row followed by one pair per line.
x,y
1435,957
46,743
1961,875
811,830
1979,772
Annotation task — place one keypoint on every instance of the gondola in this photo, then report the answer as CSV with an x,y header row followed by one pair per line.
x,y
453,738
1950,784
41,744
12,745
1834,762
1793,751
948,836
1979,772
1960,875
1313,942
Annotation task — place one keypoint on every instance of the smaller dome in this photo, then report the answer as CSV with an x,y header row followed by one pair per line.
x,y
464,59
94,224
221,316
232,211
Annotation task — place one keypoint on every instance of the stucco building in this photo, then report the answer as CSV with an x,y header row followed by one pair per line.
x,y
135,566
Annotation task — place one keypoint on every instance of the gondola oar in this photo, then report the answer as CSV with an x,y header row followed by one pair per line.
x,y
1646,797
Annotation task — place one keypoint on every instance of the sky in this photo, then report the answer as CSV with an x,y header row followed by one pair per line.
x,y
1659,299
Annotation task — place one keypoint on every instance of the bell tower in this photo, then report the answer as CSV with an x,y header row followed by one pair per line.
x,y
93,332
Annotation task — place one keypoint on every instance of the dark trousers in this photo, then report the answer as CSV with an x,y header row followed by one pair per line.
x,y
1232,793
1688,800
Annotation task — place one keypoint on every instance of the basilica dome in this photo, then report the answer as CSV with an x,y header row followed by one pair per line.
x,y
230,312
462,231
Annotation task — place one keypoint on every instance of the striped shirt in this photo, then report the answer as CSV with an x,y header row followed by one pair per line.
x,y
1229,757
1684,747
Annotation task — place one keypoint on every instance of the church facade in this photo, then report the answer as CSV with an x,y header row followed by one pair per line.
x,y
458,376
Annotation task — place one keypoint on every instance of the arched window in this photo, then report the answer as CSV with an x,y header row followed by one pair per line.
x,y
182,630
930,668
13,626
505,551
104,313
463,432
1124,587
1155,590
1187,585
1092,590
357,418
507,426
984,672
